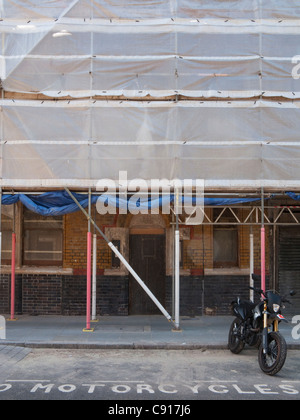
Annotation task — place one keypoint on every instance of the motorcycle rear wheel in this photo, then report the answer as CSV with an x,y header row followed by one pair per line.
x,y
235,345
272,362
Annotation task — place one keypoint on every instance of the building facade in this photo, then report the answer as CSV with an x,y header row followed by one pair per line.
x,y
51,260
159,89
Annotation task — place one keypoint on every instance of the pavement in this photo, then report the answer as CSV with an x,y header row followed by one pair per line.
x,y
126,332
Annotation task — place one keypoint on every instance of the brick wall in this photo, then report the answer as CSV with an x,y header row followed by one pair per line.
x,y
41,294
111,297
5,287
66,294
219,292
205,295
4,293
75,241
198,251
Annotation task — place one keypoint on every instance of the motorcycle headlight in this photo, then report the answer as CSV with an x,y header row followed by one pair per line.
x,y
276,307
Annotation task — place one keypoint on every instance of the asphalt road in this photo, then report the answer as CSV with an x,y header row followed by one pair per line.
x,y
134,377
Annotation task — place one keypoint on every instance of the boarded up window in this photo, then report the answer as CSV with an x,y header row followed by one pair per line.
x,y
43,239
225,240
7,227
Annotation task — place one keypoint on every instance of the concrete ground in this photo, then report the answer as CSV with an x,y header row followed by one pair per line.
x,y
144,332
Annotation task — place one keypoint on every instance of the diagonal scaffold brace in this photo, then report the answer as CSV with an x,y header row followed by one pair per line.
x,y
123,260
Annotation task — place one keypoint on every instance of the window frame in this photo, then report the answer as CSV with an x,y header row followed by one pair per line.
x,y
226,263
40,224
226,222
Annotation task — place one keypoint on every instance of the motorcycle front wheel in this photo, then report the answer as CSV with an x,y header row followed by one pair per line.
x,y
272,362
235,345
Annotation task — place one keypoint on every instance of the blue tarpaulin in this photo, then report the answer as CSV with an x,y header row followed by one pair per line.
x,y
293,195
55,203
58,203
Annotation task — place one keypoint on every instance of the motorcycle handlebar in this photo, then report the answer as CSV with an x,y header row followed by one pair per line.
x,y
283,299
257,277
259,291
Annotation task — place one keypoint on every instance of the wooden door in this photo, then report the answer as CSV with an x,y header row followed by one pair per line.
x,y
147,257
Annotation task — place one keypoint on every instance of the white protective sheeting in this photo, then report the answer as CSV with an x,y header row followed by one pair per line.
x,y
163,58
148,9
224,143
84,49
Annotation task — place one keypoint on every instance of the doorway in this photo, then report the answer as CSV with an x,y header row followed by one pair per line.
x,y
147,258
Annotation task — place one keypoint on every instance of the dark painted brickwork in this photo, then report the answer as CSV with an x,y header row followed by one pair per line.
x,y
4,293
208,295
63,295
66,295
112,295
41,294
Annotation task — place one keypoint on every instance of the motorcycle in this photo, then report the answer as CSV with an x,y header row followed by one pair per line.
x,y
258,325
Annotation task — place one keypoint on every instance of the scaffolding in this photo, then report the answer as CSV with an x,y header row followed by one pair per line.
x,y
162,89
165,89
